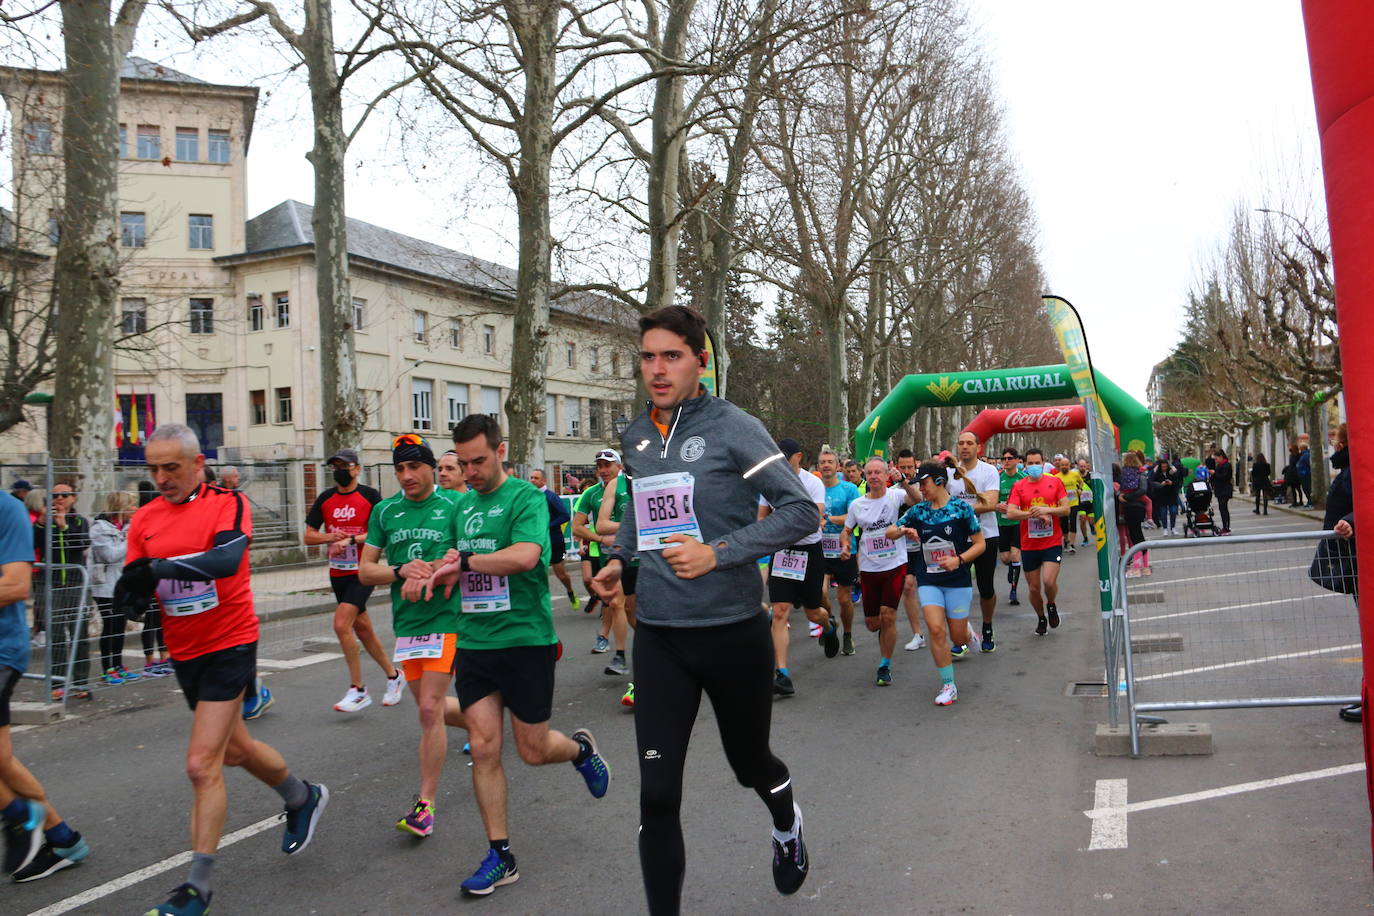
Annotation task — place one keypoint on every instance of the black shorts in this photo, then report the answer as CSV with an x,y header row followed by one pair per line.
x,y
1031,560
523,675
808,592
348,590
844,573
1009,537
9,677
985,569
218,676
629,573
558,547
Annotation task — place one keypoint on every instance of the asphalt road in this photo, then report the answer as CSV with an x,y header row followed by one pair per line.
x,y
910,808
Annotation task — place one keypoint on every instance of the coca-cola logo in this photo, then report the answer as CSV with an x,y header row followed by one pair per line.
x,y
1044,418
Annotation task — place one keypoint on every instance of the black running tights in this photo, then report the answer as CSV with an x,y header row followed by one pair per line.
x,y
112,629
733,664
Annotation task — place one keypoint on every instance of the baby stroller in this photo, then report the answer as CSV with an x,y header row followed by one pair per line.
x,y
1197,510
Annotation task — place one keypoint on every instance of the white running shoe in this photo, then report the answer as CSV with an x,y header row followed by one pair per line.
x,y
354,700
917,642
395,689
947,695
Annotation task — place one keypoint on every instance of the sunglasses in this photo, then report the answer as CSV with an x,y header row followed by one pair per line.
x,y
1009,457
63,495
408,439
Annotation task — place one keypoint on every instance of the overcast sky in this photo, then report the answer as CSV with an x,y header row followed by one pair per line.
x,y
1137,128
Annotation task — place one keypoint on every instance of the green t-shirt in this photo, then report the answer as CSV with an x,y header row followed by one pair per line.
x,y
514,513
1005,483
590,503
406,529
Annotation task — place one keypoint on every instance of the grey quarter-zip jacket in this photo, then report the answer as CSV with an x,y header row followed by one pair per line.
x,y
732,460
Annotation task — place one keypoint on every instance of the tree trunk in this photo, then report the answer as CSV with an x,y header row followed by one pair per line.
x,y
341,410
535,25
665,165
837,365
86,270
1316,429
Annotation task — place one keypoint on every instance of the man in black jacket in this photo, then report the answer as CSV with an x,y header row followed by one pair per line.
x,y
71,539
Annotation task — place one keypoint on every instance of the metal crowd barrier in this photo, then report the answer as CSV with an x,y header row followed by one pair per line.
x,y
61,598
1227,623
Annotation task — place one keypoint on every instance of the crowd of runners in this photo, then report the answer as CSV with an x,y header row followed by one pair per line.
x,y
697,505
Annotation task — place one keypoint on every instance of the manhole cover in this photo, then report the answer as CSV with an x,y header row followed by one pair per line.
x,y
1087,689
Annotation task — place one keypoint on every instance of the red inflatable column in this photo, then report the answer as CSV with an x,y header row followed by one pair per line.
x,y
1340,36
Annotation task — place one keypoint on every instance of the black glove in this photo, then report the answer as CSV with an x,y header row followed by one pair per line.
x,y
133,593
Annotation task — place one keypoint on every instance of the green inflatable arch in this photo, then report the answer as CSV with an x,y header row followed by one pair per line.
x,y
999,386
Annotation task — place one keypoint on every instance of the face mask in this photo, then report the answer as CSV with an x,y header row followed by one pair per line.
x,y
343,476
1020,467
1035,470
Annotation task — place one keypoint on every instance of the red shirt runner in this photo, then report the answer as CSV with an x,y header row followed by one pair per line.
x,y
1044,532
346,512
198,617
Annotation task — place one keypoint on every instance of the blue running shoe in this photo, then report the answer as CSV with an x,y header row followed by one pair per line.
x,y
24,838
988,643
185,901
491,874
594,770
300,824
255,702
958,651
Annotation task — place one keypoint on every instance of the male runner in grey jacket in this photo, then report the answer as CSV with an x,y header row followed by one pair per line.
x,y
697,466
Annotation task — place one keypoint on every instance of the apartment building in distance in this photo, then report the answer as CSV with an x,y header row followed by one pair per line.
x,y
218,314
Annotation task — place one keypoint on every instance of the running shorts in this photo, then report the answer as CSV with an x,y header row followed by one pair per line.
x,y
808,592
843,572
1031,560
882,589
629,574
414,667
1009,537
349,590
558,547
8,678
217,676
522,675
985,569
955,601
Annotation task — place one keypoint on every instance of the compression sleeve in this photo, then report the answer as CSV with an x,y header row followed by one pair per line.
x,y
219,562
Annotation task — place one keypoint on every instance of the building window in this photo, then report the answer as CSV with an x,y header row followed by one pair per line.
x,y
202,231
489,339
283,302
422,403
188,144
133,230
134,314
255,319
258,401
594,359
594,409
217,146
457,397
54,230
372,407
572,355
283,405
149,142
421,321
491,402
615,364
38,137
573,417
455,334
359,313
550,415
123,141
202,316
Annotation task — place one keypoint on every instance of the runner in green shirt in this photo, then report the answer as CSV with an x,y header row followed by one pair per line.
x,y
1008,530
407,535
588,524
507,646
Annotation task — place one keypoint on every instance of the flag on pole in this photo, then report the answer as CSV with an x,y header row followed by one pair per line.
x,y
118,424
133,418
148,419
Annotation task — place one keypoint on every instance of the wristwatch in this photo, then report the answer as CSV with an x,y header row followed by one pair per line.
x,y
397,571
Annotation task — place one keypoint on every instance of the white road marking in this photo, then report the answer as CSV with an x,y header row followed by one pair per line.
x,y
1109,830
150,871
285,664
1244,572
1250,661
1235,607
1111,813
